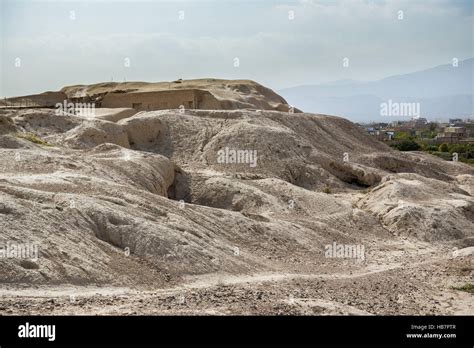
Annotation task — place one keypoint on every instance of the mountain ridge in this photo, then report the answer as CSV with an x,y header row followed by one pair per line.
x,y
441,92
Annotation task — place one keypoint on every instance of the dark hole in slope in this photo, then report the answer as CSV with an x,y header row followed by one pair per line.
x,y
353,176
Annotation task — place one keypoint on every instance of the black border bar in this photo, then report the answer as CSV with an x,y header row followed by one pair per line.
x,y
219,330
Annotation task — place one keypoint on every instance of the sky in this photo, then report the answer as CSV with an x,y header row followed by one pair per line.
x,y
46,45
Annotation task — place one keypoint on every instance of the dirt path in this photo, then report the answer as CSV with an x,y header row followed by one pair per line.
x,y
191,283
422,287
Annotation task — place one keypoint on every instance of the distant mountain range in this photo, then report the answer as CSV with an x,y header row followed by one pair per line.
x,y
443,92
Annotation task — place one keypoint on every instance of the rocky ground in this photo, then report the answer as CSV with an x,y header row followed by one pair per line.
x,y
418,288
140,215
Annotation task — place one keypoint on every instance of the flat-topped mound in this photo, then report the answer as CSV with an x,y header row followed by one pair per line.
x,y
210,94
205,94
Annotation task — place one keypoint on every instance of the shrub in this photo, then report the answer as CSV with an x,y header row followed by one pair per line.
x,y
407,145
33,138
443,148
456,148
432,148
401,135
468,287
444,155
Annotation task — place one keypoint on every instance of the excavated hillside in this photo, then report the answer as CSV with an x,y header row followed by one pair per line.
x,y
195,203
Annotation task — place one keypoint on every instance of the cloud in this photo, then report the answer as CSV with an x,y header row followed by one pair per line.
x,y
272,48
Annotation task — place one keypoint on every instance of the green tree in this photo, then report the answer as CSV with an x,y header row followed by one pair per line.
x,y
443,148
432,126
407,145
402,135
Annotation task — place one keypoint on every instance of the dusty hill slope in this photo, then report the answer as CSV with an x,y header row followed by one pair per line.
x,y
146,200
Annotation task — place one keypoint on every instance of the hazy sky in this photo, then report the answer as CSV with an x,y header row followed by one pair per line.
x,y
48,44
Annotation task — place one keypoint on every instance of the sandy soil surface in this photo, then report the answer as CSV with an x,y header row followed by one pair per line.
x,y
421,287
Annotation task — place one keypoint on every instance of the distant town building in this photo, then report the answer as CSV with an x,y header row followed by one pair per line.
x,y
455,122
383,135
451,135
419,123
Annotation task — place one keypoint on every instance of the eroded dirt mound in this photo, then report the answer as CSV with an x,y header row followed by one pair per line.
x,y
158,196
426,208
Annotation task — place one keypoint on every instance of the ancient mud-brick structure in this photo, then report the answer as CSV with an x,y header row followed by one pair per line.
x,y
204,94
159,100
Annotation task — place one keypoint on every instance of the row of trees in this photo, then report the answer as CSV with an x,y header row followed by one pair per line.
x,y
405,142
